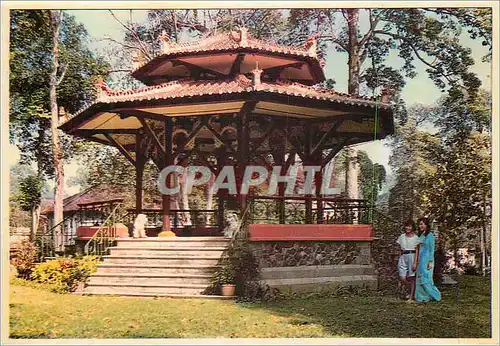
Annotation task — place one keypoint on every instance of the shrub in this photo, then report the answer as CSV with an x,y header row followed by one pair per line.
x,y
239,266
471,270
64,273
24,258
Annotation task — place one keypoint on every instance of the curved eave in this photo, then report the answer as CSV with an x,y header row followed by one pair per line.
x,y
313,62
348,106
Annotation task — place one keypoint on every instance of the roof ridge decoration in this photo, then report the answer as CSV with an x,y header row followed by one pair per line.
x,y
311,45
243,80
165,43
241,38
138,60
256,73
102,88
386,94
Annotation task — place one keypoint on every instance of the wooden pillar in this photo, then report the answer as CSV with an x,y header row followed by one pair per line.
x,y
167,161
220,200
280,161
318,179
139,171
308,161
243,144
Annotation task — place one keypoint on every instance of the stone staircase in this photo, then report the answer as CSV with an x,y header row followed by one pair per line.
x,y
166,267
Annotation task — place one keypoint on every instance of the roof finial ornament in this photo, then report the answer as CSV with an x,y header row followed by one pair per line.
x,y
137,59
243,37
102,89
164,42
63,116
256,81
311,45
386,94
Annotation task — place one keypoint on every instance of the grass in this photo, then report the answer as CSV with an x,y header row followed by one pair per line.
x,y
463,313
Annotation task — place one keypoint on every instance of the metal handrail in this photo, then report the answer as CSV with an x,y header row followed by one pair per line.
x,y
47,249
100,237
59,224
241,223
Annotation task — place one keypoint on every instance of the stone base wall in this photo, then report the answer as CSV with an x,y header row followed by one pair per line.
x,y
311,253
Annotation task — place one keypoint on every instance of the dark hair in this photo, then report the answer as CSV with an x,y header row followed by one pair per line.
x,y
426,222
411,223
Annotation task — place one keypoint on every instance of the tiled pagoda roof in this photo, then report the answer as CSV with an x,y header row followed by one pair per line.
x,y
239,85
232,41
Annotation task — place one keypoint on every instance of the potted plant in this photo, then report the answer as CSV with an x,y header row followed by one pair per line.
x,y
226,278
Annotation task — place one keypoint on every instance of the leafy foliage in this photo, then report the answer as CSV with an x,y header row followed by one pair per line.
x,y
425,35
30,192
30,52
446,175
371,176
64,273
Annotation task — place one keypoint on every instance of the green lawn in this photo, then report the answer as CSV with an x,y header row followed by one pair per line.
x,y
463,313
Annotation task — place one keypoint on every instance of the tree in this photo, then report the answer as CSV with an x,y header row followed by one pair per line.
x,y
371,176
29,83
426,35
411,164
56,20
38,87
29,197
460,189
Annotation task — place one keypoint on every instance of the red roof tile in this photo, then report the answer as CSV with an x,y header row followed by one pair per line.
x,y
95,194
240,84
228,41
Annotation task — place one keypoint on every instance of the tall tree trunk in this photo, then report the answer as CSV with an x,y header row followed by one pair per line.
x,y
36,209
209,195
185,198
353,89
352,171
56,19
354,50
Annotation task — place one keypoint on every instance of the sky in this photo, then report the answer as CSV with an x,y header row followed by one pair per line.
x,y
100,24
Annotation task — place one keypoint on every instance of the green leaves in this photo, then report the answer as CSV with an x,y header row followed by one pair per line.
x,y
30,192
30,54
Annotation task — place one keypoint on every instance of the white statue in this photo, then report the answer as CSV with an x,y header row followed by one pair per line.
x,y
140,226
232,225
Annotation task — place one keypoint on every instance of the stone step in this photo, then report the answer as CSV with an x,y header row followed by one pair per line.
x,y
164,260
319,284
104,292
163,242
316,271
155,269
149,279
170,251
191,289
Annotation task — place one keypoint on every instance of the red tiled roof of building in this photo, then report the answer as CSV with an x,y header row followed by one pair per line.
x,y
94,194
98,193
240,84
229,41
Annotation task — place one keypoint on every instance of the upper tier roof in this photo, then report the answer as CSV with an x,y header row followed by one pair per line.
x,y
228,54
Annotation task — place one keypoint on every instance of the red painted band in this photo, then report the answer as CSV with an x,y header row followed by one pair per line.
x,y
321,232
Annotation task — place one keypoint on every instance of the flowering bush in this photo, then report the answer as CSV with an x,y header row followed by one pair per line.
x,y
64,273
23,258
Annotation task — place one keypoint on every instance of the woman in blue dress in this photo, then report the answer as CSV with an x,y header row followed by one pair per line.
x,y
425,290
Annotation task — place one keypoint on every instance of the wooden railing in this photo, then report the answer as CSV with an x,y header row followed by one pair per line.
x,y
178,217
292,210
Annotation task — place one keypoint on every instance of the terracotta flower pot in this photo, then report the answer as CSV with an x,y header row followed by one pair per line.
x,y
228,290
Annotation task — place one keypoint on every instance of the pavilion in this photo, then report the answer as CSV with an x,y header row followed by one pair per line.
x,y
230,98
